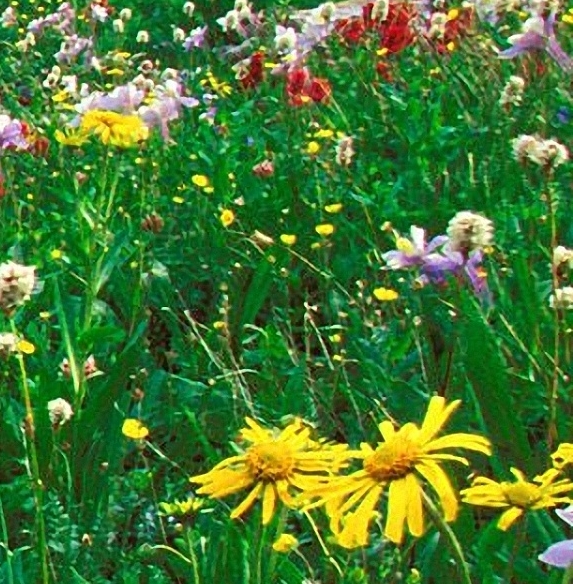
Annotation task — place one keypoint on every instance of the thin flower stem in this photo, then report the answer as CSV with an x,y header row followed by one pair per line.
x,y
517,543
554,385
34,468
6,545
448,533
322,544
193,556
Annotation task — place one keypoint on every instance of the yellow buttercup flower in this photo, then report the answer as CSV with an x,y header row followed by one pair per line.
x,y
134,429
406,460
200,180
313,148
333,208
385,294
227,217
25,347
288,239
273,466
285,543
325,229
517,497
113,128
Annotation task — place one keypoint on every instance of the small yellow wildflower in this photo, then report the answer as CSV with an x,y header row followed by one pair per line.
x,y
60,96
180,508
568,18
325,229
288,239
285,543
453,14
451,46
70,137
200,180
219,325
335,338
519,496
56,254
324,134
333,208
385,294
313,148
382,52
178,200
134,429
25,347
227,217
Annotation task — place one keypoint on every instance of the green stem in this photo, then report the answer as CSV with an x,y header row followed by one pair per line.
x,y
448,533
37,484
517,543
6,545
193,556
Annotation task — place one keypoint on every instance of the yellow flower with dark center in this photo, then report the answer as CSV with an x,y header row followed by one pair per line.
x,y
543,492
272,467
227,217
113,128
407,459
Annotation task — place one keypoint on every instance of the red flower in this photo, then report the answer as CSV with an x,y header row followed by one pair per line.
x,y
395,32
254,73
302,88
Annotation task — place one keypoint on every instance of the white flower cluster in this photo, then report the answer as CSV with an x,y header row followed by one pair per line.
x,y
468,231
16,285
546,153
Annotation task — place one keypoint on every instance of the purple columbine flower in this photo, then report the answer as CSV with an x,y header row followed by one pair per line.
x,y
414,251
11,134
560,554
538,34
196,38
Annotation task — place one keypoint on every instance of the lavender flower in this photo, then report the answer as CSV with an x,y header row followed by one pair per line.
x,y
538,34
560,554
11,134
414,251
196,38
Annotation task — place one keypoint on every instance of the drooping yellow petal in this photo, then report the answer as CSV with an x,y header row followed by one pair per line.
x,y
247,503
222,483
397,507
440,482
415,511
355,530
509,517
460,440
269,502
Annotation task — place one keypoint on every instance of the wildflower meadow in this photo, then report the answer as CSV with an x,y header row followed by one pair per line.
x,y
286,292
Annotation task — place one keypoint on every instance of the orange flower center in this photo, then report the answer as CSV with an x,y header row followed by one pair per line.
x,y
522,494
270,461
392,460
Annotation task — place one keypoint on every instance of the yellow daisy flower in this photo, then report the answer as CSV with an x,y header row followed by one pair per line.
x,y
401,464
272,466
113,128
518,496
227,217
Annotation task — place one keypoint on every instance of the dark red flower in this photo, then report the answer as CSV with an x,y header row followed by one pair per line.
x,y
302,88
254,73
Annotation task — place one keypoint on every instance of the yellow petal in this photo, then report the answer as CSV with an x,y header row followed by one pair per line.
x,y
460,440
440,482
415,510
397,505
509,517
436,416
247,503
355,531
269,501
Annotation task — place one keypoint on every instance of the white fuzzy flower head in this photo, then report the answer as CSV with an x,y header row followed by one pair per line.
x,y
118,26
469,231
189,8
345,151
125,14
178,35
512,93
546,153
60,412
142,37
8,343
562,255
16,285
562,299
